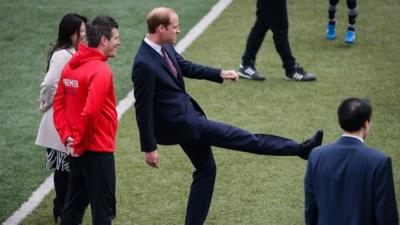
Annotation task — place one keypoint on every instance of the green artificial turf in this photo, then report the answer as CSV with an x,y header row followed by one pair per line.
x,y
249,189
28,29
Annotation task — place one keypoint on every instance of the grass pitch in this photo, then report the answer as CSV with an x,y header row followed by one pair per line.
x,y
250,189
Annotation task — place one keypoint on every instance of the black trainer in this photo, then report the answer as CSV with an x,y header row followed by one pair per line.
x,y
250,72
299,74
311,143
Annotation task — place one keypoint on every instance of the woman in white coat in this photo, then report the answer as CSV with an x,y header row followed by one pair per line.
x,y
72,30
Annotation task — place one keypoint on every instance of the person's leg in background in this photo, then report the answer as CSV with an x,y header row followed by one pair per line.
x,y
350,35
60,187
59,161
277,17
331,27
255,39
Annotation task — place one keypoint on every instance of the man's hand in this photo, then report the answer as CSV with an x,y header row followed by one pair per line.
x,y
229,75
70,147
152,158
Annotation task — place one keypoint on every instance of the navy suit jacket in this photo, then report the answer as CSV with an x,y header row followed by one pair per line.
x,y
165,113
348,183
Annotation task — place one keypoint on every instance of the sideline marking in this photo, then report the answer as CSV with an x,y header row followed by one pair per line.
x,y
27,207
44,189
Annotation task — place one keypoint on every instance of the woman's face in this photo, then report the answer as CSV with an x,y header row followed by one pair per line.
x,y
82,36
82,31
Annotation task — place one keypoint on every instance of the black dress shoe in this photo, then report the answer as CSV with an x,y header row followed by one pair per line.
x,y
311,143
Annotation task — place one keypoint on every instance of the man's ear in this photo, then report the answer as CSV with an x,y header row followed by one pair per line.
x,y
366,128
161,28
103,40
366,124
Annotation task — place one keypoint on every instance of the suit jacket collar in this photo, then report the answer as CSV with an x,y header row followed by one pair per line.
x,y
350,141
178,79
153,45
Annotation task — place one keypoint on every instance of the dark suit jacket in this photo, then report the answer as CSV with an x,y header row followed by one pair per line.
x,y
165,113
348,183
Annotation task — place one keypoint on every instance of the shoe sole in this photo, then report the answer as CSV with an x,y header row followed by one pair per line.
x,y
330,38
290,79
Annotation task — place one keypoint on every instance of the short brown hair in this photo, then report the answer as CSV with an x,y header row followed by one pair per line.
x,y
99,27
158,16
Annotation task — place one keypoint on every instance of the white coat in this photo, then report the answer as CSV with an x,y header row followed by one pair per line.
x,y
47,135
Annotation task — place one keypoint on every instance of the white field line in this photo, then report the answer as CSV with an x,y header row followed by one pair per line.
x,y
27,207
202,25
37,196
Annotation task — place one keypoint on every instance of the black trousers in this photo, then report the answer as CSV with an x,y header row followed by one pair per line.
x,y
60,187
271,15
91,181
351,4
230,137
59,162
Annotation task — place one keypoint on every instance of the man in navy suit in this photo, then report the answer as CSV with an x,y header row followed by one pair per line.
x,y
348,183
166,114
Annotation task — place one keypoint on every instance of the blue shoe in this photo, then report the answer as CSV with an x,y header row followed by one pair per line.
x,y
331,31
350,36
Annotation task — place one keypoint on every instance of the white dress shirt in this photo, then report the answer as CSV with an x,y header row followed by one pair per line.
x,y
353,136
153,45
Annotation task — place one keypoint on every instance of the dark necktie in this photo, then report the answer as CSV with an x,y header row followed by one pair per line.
x,y
169,62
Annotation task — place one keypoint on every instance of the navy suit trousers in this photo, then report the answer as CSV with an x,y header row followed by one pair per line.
x,y
229,137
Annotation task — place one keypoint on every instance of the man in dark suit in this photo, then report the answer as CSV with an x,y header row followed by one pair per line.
x,y
166,114
347,182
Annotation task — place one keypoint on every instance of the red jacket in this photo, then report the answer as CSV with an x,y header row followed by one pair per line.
x,y
84,104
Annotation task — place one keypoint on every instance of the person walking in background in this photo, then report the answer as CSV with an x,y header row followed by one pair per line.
x,y
71,32
85,117
271,15
350,35
167,114
347,182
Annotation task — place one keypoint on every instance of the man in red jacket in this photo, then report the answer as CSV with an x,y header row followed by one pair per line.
x,y
86,119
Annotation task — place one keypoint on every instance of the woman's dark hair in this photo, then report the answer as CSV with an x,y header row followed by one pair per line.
x,y
353,112
69,24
